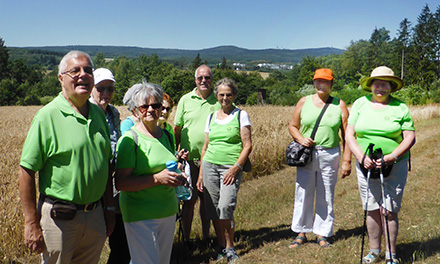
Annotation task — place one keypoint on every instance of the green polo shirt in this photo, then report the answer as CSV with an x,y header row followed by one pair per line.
x,y
192,112
71,153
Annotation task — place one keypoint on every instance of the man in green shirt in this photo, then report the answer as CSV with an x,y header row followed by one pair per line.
x,y
68,144
192,111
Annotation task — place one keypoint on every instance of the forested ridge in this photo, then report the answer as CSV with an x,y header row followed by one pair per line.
x,y
413,54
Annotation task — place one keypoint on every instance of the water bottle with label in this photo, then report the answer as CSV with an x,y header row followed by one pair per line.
x,y
183,193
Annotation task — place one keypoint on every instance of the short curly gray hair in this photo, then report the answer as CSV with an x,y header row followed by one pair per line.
x,y
141,92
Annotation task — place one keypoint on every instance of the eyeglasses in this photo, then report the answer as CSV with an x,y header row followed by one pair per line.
x,y
144,108
200,78
102,89
166,108
75,72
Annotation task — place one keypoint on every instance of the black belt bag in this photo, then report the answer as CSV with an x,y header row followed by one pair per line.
x,y
65,210
377,154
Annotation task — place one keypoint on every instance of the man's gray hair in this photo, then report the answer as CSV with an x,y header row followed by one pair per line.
x,y
202,66
72,54
140,93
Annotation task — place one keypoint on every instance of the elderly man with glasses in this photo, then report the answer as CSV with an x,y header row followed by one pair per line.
x,y
68,143
102,95
192,111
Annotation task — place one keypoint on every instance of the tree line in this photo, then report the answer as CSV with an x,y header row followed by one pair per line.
x,y
413,54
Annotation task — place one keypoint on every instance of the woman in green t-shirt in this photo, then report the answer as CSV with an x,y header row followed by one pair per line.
x,y
384,121
167,108
318,178
148,199
226,148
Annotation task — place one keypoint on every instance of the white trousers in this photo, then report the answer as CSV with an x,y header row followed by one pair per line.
x,y
319,176
151,241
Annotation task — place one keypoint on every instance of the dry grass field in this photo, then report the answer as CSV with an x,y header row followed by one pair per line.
x,y
265,203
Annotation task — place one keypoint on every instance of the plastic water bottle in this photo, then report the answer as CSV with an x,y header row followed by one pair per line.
x,y
182,192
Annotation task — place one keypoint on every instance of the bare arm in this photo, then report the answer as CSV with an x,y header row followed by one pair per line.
x,y
125,181
204,148
409,139
32,230
294,125
346,158
246,139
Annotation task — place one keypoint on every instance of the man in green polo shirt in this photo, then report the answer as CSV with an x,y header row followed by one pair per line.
x,y
68,144
192,111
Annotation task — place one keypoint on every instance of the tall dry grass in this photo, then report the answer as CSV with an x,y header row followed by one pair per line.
x,y
266,203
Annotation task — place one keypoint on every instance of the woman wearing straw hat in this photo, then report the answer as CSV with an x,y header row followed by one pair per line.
x,y
321,173
393,132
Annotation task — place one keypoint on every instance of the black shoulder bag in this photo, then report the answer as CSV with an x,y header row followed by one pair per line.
x,y
299,155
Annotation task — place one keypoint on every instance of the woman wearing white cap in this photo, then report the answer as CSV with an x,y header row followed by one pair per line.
x,y
393,132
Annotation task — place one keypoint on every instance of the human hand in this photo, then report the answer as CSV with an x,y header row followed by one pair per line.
x,y
183,154
110,221
199,183
307,142
368,163
33,237
169,178
345,169
230,174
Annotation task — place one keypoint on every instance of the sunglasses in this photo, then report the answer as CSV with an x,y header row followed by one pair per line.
x,y
102,89
200,78
75,72
144,108
166,108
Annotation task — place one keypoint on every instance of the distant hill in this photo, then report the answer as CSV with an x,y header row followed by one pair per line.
x,y
212,55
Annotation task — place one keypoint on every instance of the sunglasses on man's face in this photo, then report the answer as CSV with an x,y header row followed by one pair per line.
x,y
144,108
200,78
102,89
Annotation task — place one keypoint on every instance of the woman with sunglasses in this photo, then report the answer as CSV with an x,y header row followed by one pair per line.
x,y
148,200
167,108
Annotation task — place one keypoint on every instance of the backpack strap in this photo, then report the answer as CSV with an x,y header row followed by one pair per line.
x,y
135,139
168,136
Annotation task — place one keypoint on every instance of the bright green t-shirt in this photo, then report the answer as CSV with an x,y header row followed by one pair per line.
x,y
148,158
192,112
327,134
225,144
169,128
70,152
382,127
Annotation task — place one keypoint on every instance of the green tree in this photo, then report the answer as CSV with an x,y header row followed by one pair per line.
x,y
99,60
196,62
402,43
4,57
423,50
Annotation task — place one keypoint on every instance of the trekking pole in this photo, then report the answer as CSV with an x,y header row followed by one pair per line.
x,y
385,208
365,214
369,150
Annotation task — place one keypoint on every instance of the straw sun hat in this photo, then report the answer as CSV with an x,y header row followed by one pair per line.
x,y
382,73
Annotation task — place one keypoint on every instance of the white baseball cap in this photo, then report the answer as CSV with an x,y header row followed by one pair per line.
x,y
103,74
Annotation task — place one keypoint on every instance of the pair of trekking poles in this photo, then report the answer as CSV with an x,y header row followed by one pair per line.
x,y
381,176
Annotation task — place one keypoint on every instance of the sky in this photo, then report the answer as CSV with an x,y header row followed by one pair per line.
x,y
194,25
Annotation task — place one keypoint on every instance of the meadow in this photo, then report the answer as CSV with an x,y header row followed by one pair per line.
x,y
265,203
